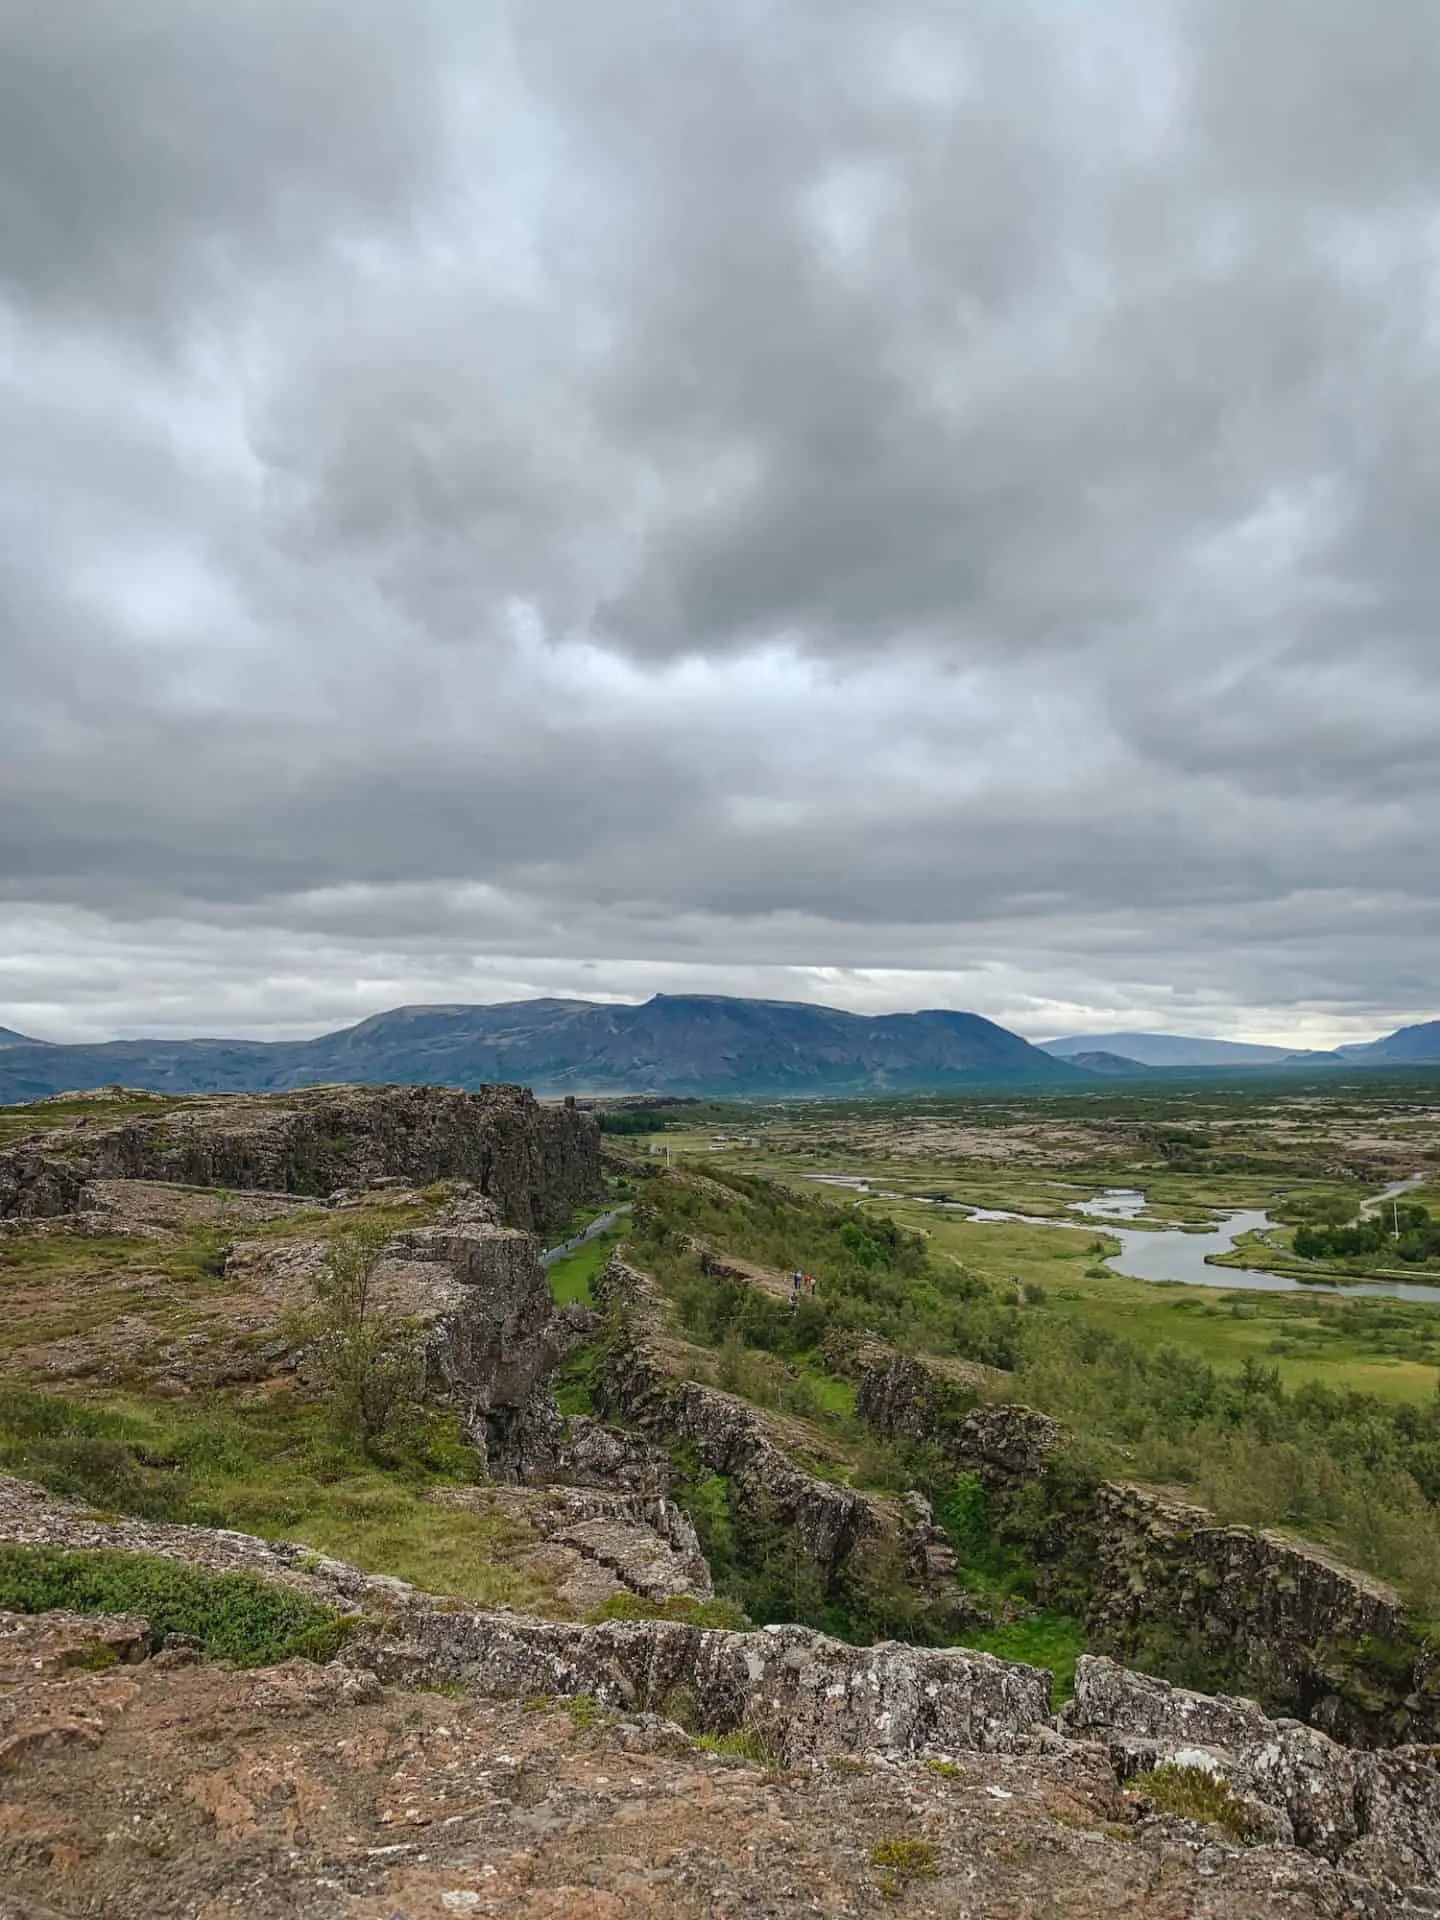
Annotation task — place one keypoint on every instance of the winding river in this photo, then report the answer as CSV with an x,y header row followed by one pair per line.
x,y
1171,1254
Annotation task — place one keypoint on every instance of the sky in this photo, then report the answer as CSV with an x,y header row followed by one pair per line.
x,y
895,507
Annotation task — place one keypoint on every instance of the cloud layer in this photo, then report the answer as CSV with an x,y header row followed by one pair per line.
x,y
896,508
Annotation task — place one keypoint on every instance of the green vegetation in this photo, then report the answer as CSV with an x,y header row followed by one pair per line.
x,y
1402,1233
904,1860
1194,1794
17,1122
1046,1639
1346,1467
693,1613
272,1465
744,1744
234,1616
370,1357
571,1276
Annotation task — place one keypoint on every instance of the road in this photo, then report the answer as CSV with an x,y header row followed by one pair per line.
x,y
601,1224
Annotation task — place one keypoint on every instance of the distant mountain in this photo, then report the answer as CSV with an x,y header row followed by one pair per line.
x,y
1170,1050
674,1043
1102,1062
1408,1046
9,1038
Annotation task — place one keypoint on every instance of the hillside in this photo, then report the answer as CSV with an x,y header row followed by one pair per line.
x,y
9,1038
1168,1050
1408,1046
674,1043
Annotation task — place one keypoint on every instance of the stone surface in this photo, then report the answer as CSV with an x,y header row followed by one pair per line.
x,y
189,1792
1377,1814
1291,1620
594,1455
601,1544
1344,1830
537,1162
839,1529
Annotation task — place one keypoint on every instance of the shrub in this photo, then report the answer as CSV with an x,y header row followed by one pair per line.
x,y
1194,1794
235,1616
370,1357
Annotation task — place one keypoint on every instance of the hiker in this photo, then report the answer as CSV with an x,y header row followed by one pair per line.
x,y
795,1282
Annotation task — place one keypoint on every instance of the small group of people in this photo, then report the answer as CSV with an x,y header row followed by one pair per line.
x,y
800,1283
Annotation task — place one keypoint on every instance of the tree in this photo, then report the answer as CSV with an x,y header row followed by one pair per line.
x,y
373,1365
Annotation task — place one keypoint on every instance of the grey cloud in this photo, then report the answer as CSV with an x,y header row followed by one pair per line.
x,y
916,506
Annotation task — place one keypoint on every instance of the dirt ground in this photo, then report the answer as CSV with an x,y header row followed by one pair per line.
x,y
173,1790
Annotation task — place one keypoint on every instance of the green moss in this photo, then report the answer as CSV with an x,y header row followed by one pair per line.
x,y
744,1744
906,1859
693,1613
1194,1794
235,1616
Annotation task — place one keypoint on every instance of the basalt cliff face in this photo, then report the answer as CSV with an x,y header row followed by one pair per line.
x,y
433,1769
537,1162
1158,1577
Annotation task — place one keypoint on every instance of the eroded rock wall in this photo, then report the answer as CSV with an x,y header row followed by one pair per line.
x,y
537,1162
1163,1579
839,1530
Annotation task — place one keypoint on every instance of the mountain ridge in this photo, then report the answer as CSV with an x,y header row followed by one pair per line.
x,y
672,1043
707,1044
1168,1049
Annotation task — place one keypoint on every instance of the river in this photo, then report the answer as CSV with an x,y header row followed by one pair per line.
x,y
1171,1254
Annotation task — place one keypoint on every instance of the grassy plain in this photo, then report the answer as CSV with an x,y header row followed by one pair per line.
x,y
1197,1152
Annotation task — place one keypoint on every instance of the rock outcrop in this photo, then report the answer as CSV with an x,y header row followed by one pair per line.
x,y
1311,1828
839,1530
1377,1813
171,1788
596,1547
537,1162
1287,1618
1313,1636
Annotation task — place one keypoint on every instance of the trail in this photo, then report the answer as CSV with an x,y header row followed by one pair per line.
x,y
601,1224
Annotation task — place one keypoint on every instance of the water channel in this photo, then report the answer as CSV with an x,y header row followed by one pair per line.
x,y
1173,1254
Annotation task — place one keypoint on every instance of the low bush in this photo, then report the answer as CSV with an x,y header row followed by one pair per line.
x,y
1194,1794
234,1616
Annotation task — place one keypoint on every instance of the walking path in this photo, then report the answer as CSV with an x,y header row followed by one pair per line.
x,y
601,1224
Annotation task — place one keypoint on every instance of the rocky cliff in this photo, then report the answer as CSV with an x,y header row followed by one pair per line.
x,y
933,1774
841,1532
1158,1577
537,1162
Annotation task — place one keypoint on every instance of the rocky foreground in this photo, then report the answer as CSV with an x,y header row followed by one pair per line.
x,y
171,1790
453,1758
460,1760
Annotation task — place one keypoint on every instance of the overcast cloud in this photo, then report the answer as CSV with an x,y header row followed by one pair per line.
x,y
893,506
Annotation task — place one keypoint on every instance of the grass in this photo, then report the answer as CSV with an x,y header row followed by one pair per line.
x,y
1052,1640
1194,1794
744,1744
1388,1348
234,1616
268,1464
18,1121
570,1278
691,1613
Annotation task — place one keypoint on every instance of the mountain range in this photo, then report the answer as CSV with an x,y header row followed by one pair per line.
x,y
674,1043
1408,1046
